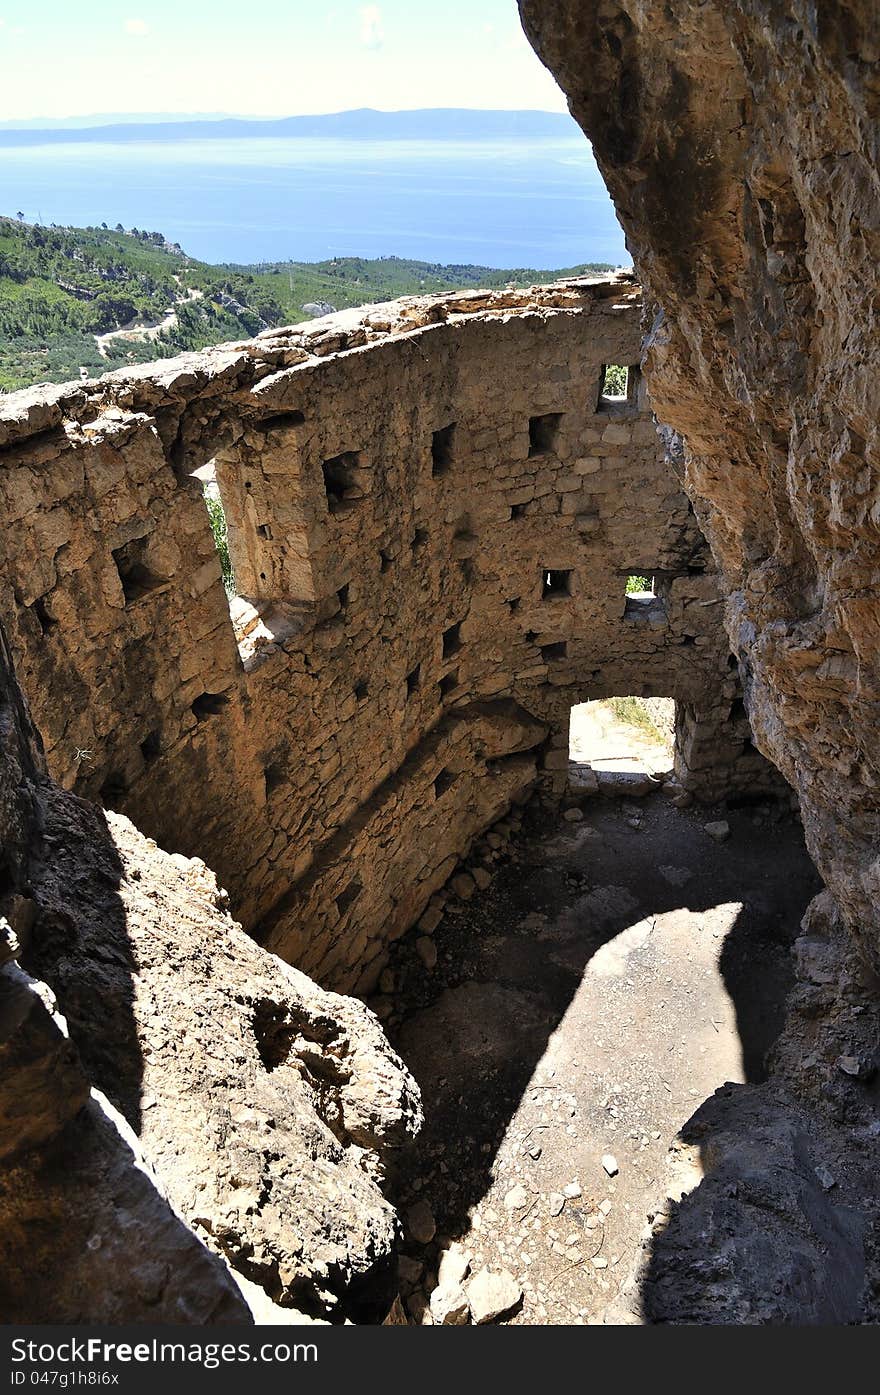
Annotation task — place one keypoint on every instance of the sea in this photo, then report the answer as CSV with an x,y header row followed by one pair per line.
x,y
496,203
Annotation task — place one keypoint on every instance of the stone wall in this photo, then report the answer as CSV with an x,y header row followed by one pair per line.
x,y
432,511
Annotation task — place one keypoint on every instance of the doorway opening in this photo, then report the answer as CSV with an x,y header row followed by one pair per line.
x,y
621,744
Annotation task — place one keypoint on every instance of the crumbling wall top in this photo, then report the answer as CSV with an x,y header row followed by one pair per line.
x,y
238,368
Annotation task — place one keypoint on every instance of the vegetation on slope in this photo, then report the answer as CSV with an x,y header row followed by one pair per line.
x,y
62,287
635,712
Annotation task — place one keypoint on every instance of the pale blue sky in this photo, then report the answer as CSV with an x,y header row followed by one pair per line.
x,y
269,57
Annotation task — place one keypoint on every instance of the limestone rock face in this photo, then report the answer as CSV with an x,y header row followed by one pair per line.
x,y
739,142
86,1231
266,1106
89,1235
763,1240
175,1103
44,1085
773,1188
738,139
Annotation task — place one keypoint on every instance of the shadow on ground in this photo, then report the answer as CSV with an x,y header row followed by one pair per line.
x,y
507,999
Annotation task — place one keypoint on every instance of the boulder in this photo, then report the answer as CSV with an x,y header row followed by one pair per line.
x,y
492,1294
449,1306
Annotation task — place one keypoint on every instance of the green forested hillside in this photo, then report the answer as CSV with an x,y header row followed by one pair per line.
x,y
62,287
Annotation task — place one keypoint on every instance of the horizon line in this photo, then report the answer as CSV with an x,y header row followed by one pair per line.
x,y
132,118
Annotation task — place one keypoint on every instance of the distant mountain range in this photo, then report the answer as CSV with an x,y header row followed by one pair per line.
x,y
441,123
109,118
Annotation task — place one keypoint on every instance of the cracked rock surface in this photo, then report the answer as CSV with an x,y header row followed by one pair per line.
x,y
179,1110
267,1106
738,139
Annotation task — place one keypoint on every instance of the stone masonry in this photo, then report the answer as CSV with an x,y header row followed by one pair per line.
x,y
433,508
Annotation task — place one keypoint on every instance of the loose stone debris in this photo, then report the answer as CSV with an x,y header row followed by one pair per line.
x,y
524,1041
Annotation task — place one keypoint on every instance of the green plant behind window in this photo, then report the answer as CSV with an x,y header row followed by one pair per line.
x,y
616,375
221,541
635,584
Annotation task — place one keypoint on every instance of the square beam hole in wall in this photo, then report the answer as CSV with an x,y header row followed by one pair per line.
x,y
552,653
444,781
442,450
452,640
448,684
278,422
340,482
137,577
413,680
420,539
275,775
556,584
151,747
209,705
346,899
362,690
544,433
342,597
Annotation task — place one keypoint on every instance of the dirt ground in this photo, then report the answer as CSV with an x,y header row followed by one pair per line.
x,y
617,971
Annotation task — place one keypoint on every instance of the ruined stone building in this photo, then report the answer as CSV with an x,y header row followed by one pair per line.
x,y
433,507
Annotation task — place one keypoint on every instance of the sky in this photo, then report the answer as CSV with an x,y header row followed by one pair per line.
x,y
270,58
